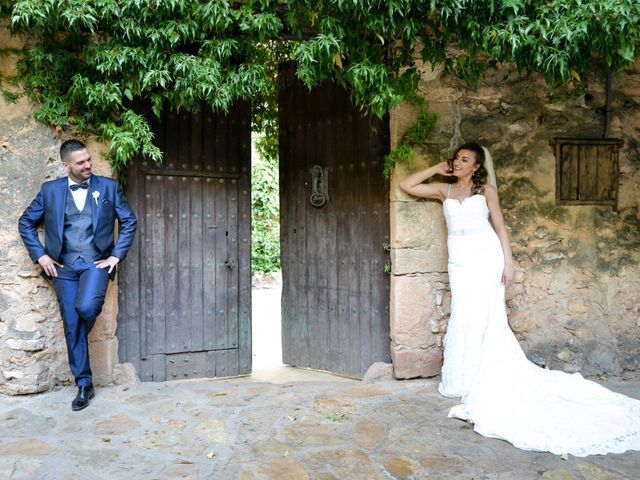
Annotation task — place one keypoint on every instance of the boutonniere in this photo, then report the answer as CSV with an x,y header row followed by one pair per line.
x,y
96,195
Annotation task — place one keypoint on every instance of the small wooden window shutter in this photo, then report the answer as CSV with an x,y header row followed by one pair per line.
x,y
586,171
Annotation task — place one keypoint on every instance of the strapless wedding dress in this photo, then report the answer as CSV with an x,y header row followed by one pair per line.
x,y
505,395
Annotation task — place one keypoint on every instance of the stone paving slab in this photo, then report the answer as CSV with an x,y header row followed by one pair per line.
x,y
232,429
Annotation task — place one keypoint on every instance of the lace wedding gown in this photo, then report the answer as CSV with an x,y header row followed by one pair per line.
x,y
501,392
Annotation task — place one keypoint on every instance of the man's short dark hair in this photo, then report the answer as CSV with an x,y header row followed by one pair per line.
x,y
69,147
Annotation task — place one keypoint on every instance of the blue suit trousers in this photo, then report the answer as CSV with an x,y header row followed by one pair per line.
x,y
80,288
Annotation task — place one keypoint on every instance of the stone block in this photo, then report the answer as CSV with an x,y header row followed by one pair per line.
x,y
98,152
28,322
417,225
400,119
522,322
106,323
438,92
378,372
370,433
29,374
26,345
401,171
125,374
104,357
412,309
424,260
416,362
483,128
428,73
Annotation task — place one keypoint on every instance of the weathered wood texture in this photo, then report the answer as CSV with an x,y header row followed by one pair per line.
x,y
586,171
185,288
335,300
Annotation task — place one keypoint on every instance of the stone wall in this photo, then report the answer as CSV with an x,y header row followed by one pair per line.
x,y
575,303
33,354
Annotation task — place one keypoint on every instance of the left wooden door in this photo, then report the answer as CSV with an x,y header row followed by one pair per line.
x,y
185,287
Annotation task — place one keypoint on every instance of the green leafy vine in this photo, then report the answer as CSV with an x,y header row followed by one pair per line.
x,y
86,63
415,134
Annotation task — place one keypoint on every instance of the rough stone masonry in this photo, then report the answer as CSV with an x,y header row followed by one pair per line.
x,y
32,347
575,304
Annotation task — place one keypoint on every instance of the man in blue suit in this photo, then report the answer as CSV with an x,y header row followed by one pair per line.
x,y
79,254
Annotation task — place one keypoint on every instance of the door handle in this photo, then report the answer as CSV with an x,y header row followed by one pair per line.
x,y
319,186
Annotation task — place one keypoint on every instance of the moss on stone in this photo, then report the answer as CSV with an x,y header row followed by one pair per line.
x,y
553,212
629,231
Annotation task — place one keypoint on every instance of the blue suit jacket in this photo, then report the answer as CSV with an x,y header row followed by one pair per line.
x,y
50,204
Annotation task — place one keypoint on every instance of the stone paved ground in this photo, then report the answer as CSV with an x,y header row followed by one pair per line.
x,y
228,429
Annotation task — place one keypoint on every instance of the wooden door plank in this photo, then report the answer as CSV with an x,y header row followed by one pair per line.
x,y
195,220
365,245
244,245
606,173
330,239
287,206
209,227
380,281
233,279
350,349
196,280
222,363
156,342
588,172
301,182
324,246
183,147
170,259
210,286
171,262
221,252
296,346
569,171
129,284
158,368
221,255
232,265
286,125
315,133
185,293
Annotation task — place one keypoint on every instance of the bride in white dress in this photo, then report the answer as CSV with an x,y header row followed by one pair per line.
x,y
505,395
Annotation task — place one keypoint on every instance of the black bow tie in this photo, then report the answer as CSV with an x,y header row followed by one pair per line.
x,y
76,186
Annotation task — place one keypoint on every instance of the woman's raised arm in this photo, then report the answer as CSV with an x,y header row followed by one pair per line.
x,y
414,185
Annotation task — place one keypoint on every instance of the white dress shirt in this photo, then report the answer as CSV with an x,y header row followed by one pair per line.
x,y
80,195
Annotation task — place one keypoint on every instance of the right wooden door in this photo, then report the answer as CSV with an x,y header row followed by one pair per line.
x,y
334,215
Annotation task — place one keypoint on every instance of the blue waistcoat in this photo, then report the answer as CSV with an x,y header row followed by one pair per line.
x,y
77,238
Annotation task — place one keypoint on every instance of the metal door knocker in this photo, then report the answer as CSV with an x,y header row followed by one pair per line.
x,y
319,186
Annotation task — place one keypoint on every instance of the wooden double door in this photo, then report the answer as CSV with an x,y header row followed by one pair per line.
x,y
185,287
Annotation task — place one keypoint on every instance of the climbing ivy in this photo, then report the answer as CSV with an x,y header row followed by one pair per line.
x,y
87,62
414,135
